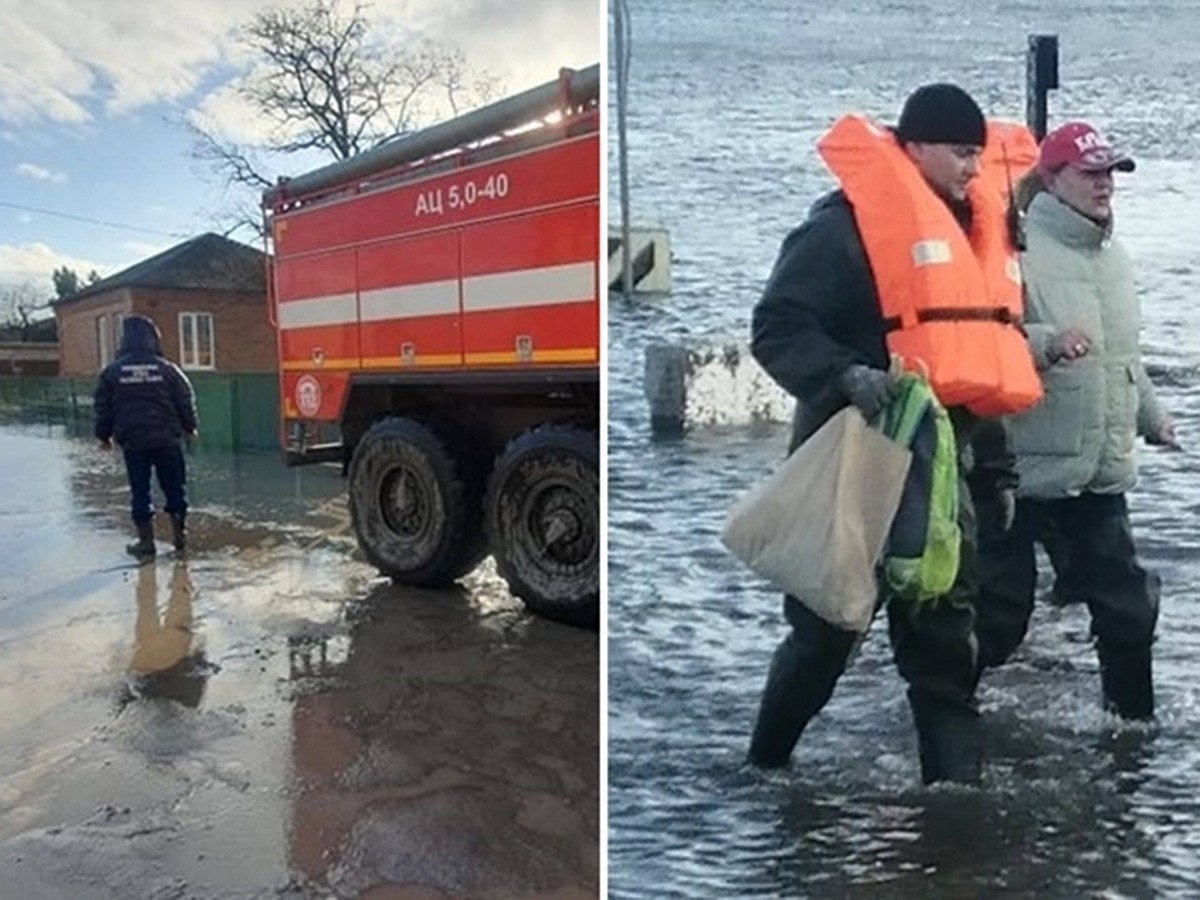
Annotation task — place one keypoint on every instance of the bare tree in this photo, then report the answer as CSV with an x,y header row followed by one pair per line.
x,y
19,306
244,181
326,82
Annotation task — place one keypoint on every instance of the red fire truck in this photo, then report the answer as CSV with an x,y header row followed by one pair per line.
x,y
436,301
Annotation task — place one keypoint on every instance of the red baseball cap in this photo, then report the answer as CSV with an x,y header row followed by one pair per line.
x,y
1079,144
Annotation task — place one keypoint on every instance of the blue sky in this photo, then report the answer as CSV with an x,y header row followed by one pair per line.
x,y
94,94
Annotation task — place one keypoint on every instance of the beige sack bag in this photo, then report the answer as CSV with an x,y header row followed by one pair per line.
x,y
817,527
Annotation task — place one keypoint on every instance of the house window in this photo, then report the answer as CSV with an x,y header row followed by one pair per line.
x,y
197,349
103,346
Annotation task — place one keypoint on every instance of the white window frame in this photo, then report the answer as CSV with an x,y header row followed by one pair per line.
x,y
103,344
190,320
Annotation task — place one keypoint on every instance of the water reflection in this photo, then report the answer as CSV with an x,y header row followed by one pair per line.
x,y
167,662
442,741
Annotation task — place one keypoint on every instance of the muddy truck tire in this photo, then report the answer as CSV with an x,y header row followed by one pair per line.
x,y
415,516
543,522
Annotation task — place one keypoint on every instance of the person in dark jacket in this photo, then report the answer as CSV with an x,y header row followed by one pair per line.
x,y
145,403
818,331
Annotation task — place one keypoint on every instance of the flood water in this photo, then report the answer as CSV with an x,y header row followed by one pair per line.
x,y
726,101
266,717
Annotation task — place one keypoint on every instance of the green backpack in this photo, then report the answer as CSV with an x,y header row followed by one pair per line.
x,y
920,561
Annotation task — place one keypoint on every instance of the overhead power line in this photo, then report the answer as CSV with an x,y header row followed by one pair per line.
x,y
90,221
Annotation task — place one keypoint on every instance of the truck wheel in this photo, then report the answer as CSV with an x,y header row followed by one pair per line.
x,y
543,522
415,517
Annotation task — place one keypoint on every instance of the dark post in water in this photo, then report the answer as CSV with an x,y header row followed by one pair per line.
x,y
1041,77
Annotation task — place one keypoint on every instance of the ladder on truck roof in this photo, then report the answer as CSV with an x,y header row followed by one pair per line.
x,y
572,90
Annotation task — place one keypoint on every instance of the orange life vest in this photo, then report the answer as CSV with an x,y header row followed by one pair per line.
x,y
952,302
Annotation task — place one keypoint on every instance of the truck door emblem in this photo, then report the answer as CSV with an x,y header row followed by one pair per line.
x,y
308,396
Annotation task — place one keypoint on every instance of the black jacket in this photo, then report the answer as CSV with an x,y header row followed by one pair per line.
x,y
143,401
819,314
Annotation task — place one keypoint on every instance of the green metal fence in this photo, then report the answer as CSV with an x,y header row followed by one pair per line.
x,y
237,412
256,411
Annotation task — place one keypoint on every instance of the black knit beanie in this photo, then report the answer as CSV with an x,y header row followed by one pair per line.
x,y
941,114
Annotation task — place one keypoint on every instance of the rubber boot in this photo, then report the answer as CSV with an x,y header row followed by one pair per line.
x,y
949,740
1126,681
179,531
803,673
144,545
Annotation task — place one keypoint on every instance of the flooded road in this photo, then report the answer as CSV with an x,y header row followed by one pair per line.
x,y
726,101
267,717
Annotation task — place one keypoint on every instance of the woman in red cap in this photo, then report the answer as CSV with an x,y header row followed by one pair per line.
x,y
1075,450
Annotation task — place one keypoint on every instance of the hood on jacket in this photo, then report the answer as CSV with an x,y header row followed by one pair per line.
x,y
140,333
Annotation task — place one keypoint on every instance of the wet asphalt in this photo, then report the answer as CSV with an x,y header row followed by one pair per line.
x,y
267,717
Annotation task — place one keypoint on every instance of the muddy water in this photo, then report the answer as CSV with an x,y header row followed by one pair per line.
x,y
267,717
726,101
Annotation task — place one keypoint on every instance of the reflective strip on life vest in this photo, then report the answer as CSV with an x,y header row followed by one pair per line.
x,y
931,253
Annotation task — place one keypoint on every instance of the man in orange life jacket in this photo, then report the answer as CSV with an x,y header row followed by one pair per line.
x,y
818,330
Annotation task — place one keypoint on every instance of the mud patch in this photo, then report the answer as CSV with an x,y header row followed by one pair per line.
x,y
461,842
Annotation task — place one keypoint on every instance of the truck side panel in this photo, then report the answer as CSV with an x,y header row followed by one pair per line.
x,y
548,176
410,302
530,288
317,308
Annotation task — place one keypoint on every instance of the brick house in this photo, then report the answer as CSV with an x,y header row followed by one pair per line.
x,y
28,358
207,295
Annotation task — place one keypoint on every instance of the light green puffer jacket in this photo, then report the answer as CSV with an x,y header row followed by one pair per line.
x,y
1081,436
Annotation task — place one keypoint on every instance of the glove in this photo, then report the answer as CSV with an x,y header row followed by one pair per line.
x,y
867,388
997,514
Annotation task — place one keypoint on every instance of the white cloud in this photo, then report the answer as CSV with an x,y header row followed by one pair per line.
x,y
139,250
223,114
64,64
526,42
37,173
61,63
34,263
38,77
